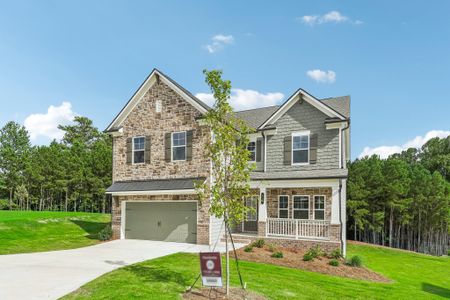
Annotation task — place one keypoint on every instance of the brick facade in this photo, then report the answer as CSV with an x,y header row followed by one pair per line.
x,y
176,115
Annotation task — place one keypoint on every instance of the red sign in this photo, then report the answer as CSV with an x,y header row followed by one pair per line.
x,y
211,268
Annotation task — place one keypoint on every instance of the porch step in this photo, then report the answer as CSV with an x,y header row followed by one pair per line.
x,y
238,239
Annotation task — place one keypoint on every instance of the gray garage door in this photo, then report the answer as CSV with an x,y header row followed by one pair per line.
x,y
161,221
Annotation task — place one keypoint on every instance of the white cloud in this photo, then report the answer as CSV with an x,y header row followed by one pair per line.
x,y
330,17
322,76
245,99
46,125
218,42
417,142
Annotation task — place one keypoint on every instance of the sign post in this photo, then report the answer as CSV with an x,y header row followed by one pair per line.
x,y
211,269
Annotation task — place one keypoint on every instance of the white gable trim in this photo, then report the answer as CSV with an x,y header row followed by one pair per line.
x,y
136,98
306,97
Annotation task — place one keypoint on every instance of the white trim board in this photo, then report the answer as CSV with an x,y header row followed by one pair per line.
x,y
157,192
306,97
146,85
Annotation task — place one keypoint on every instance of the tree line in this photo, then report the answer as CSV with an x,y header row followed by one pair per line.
x,y
70,175
404,200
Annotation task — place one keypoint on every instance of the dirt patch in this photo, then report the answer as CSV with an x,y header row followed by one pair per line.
x,y
293,258
235,294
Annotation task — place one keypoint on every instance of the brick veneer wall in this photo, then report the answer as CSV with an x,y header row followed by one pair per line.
x,y
202,213
176,115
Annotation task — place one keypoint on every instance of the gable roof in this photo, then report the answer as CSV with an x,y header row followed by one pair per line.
x,y
153,77
339,104
255,117
302,94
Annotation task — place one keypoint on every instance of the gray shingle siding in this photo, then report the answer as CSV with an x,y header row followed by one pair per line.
x,y
303,117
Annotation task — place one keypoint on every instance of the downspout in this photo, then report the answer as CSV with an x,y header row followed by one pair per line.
x,y
340,217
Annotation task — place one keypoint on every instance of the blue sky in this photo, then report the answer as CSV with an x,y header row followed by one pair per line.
x,y
61,58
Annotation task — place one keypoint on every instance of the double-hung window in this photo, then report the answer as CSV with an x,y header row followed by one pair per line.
x,y
283,207
252,203
138,150
251,147
301,207
179,146
300,148
319,207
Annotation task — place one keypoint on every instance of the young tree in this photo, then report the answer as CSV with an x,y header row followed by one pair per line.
x,y
229,155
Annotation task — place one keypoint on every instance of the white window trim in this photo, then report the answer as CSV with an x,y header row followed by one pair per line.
x,y
294,209
300,133
278,206
256,149
324,206
172,146
132,147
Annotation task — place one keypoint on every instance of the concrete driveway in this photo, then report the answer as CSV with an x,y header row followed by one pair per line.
x,y
50,275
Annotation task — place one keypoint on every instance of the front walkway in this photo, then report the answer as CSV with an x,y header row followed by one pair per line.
x,y
50,275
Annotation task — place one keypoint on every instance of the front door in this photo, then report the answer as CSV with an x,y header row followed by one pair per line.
x,y
251,218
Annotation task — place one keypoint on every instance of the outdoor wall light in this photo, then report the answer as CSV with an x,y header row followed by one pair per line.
x,y
262,198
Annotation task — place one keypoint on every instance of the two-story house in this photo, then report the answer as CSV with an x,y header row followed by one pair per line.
x,y
300,150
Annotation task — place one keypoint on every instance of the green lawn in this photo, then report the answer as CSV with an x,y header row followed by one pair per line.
x,y
28,231
415,276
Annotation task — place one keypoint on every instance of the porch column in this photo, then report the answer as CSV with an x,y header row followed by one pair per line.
x,y
262,211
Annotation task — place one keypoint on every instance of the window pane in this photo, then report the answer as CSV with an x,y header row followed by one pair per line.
x,y
139,143
301,202
300,142
319,215
251,146
304,142
283,202
138,157
300,156
283,214
179,138
301,214
319,202
179,153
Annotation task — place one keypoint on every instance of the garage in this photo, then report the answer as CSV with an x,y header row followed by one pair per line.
x,y
170,221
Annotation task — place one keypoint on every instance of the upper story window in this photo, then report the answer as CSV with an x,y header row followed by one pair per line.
x,y
319,207
301,207
252,148
179,146
138,150
283,207
300,148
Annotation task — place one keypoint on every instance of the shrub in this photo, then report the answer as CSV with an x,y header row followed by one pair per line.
x,y
271,247
277,254
308,257
4,204
336,254
315,251
354,261
248,248
334,262
259,243
105,234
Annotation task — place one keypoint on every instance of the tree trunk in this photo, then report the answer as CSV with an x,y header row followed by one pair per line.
x,y
391,226
227,259
10,198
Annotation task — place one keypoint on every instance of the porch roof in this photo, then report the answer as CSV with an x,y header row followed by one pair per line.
x,y
310,174
154,185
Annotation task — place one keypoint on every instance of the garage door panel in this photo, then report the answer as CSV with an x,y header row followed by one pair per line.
x,y
162,221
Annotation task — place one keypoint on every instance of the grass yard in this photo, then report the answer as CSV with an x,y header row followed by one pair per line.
x,y
415,276
28,231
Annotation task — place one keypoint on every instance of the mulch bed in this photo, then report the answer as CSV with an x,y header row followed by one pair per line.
x,y
235,294
293,258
